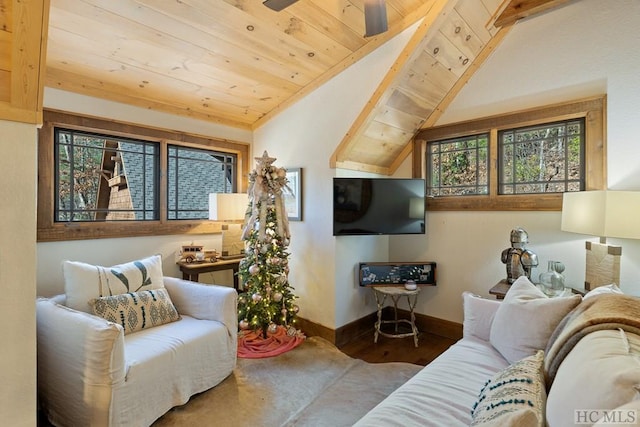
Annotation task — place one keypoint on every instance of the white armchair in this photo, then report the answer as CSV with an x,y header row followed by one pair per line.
x,y
91,374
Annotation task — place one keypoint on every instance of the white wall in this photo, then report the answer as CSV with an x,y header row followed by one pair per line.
x,y
583,49
17,275
306,135
114,251
580,50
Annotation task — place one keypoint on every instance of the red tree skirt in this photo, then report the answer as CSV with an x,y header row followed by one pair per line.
x,y
251,344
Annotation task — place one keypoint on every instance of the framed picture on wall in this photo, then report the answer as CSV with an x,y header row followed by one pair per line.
x,y
293,200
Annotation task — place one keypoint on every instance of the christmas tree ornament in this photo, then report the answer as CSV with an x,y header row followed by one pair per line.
x,y
254,269
244,324
272,328
256,297
277,297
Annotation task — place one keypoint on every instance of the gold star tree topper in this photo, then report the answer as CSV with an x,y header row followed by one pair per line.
x,y
265,161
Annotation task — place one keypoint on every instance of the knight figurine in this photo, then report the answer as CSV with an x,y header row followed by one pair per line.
x,y
519,260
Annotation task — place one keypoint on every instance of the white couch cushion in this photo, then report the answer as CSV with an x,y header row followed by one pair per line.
x,y
135,311
601,372
84,282
526,319
514,396
442,393
168,364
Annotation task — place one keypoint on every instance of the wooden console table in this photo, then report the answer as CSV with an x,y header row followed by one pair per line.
x,y
501,288
191,270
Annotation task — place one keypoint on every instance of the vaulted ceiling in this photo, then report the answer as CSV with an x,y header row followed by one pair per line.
x,y
239,63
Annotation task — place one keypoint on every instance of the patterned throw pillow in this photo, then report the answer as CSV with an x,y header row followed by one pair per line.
x,y
515,396
84,282
135,311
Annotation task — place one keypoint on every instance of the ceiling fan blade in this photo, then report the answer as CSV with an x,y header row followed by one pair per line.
x,y
375,17
278,5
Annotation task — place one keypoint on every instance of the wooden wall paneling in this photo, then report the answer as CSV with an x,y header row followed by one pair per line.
x,y
424,8
119,93
448,54
400,119
519,9
292,26
460,34
428,26
462,81
476,16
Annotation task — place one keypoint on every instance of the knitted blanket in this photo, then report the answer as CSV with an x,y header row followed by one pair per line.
x,y
606,311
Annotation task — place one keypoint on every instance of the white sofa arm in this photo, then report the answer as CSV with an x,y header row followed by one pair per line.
x,y
80,359
206,302
478,315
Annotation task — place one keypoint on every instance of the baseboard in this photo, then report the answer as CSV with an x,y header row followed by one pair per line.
x,y
312,329
347,333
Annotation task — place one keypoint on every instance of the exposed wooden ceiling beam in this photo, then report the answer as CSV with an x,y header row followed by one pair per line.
x,y
518,9
23,43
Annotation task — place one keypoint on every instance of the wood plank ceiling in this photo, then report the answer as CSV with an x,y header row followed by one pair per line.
x,y
238,63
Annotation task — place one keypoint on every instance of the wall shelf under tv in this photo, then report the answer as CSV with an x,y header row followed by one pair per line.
x,y
396,273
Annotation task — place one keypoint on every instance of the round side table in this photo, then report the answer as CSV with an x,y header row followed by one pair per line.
x,y
396,293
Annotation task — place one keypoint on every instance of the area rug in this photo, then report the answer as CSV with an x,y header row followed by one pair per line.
x,y
313,384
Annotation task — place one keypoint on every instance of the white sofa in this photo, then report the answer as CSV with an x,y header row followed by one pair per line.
x,y
92,374
590,369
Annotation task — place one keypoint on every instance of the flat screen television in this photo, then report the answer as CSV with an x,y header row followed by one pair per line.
x,y
365,206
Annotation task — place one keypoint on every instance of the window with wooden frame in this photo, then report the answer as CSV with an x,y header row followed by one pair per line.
x,y
518,161
101,178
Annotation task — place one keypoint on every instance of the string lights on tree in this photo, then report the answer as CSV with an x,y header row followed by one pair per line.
x,y
267,302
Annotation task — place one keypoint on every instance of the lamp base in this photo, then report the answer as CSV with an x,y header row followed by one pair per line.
x,y
603,265
232,244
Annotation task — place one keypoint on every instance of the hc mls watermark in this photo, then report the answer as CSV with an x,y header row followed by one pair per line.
x,y
605,416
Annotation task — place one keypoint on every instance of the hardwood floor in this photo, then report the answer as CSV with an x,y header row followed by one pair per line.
x,y
387,349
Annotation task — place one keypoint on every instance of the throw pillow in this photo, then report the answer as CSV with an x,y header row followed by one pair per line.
x,y
600,373
605,289
515,396
478,315
135,311
526,319
84,282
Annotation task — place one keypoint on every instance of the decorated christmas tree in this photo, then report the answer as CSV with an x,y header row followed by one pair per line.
x,y
267,303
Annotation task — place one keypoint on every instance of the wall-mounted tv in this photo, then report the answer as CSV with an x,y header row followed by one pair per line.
x,y
363,206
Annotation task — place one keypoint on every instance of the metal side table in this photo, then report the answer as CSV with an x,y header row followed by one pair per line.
x,y
396,293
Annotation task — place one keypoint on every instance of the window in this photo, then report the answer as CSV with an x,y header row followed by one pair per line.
x,y
193,173
542,159
518,161
459,166
100,178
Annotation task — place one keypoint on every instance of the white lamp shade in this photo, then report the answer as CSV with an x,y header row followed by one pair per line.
x,y
227,206
602,213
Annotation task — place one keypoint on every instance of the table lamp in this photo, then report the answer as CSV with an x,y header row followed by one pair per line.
x,y
229,207
605,214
